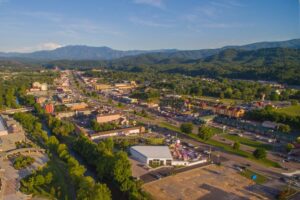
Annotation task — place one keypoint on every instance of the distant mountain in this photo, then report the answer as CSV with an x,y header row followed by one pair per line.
x,y
79,52
167,55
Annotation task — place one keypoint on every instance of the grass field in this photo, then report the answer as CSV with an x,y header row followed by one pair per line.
x,y
291,110
248,142
260,179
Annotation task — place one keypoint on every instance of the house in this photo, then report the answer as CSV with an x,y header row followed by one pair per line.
x,y
49,108
117,132
152,155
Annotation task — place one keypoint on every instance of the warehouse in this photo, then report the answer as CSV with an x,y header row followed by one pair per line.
x,y
3,130
152,155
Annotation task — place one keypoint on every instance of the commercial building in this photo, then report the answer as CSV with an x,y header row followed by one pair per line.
x,y
76,106
152,155
118,132
104,118
229,111
3,129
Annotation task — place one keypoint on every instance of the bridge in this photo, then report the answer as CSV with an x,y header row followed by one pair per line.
x,y
12,111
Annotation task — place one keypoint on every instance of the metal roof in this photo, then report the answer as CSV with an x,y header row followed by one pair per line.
x,y
154,151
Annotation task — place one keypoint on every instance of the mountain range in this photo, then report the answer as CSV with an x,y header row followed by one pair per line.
x,y
80,52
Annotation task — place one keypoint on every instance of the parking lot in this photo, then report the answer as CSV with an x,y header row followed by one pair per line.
x,y
209,182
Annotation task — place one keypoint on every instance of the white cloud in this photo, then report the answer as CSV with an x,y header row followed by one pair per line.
x,y
39,47
155,3
49,46
150,23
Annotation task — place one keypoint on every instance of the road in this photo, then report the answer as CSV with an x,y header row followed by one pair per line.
x,y
232,160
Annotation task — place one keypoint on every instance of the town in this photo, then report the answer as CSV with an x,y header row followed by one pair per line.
x,y
166,137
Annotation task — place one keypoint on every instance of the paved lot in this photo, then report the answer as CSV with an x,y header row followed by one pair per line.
x,y
210,182
11,177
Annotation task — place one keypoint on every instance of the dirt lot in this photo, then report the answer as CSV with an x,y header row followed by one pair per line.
x,y
207,183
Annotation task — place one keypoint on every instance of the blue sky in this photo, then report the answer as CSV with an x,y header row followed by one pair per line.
x,y
29,25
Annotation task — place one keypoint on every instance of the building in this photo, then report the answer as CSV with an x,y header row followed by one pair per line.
x,y
152,155
3,129
101,87
269,124
118,132
104,118
229,111
40,100
76,106
49,108
36,86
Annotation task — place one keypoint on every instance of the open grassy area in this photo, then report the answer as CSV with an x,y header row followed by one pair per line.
x,y
248,142
223,146
291,110
260,179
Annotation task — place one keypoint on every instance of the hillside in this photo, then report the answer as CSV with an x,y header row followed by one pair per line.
x,y
80,52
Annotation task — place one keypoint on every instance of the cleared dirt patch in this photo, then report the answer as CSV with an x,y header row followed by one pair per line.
x,y
208,183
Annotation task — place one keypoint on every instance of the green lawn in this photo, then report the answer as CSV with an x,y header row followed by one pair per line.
x,y
223,146
248,142
260,179
291,110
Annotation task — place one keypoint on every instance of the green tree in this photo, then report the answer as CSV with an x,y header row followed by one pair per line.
x,y
290,147
284,128
186,127
260,153
236,146
205,132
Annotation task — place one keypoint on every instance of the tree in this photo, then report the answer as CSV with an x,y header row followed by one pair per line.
x,y
236,146
284,128
205,132
186,127
122,171
39,180
48,178
290,147
260,153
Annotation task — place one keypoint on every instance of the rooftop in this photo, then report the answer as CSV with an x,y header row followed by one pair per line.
x,y
154,151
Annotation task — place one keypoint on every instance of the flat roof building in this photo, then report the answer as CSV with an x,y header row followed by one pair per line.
x,y
152,155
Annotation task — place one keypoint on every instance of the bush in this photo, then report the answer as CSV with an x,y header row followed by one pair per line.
x,y
186,128
260,153
22,162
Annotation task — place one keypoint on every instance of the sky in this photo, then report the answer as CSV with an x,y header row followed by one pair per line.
x,y
31,25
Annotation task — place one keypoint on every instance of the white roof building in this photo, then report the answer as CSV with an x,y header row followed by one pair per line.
x,y
152,155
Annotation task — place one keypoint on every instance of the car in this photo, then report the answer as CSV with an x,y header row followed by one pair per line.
x,y
157,176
